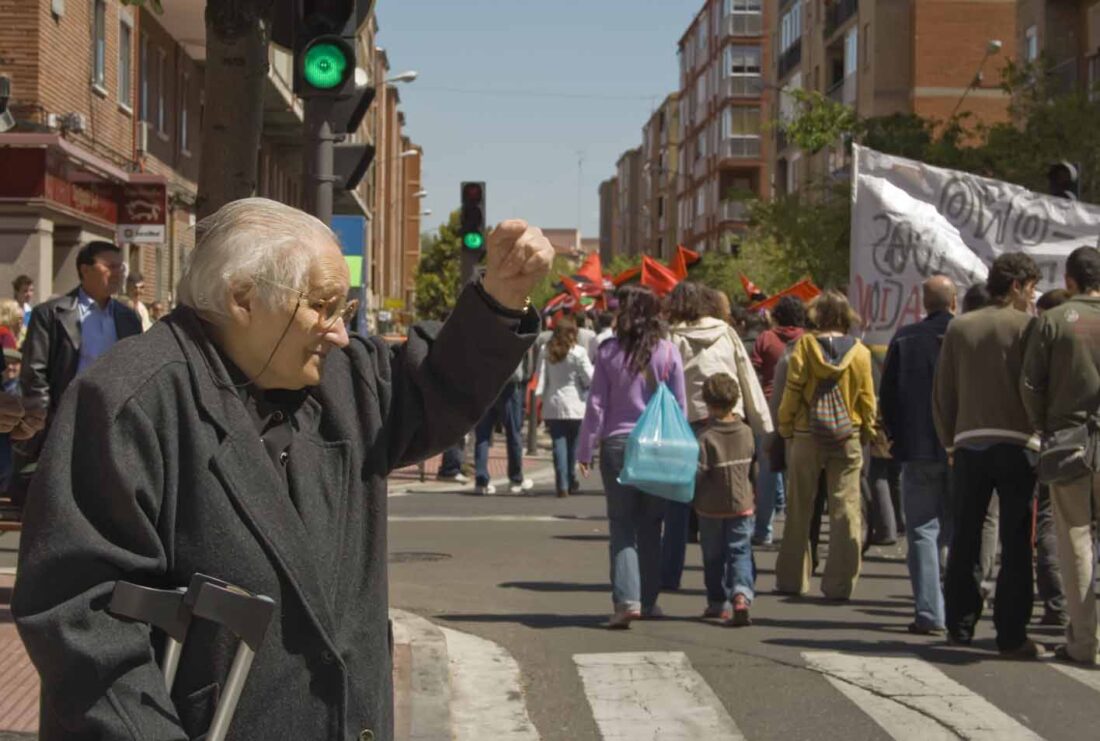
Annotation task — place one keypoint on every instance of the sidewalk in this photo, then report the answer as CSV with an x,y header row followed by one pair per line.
x,y
534,466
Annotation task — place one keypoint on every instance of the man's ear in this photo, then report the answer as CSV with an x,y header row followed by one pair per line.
x,y
239,299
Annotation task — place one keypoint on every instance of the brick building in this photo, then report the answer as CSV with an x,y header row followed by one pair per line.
x,y
628,210
609,206
660,179
1067,32
108,101
723,155
883,57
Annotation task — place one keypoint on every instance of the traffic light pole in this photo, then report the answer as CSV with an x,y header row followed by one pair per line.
x,y
318,171
468,268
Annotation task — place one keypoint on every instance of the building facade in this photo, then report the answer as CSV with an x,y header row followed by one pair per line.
x,y
628,204
1067,33
609,206
723,102
883,57
660,179
108,101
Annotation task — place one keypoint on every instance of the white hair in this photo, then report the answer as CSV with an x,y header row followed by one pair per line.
x,y
250,243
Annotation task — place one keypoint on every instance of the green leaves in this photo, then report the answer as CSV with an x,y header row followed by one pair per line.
x,y
437,275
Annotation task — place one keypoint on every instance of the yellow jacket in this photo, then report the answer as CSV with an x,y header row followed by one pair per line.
x,y
847,360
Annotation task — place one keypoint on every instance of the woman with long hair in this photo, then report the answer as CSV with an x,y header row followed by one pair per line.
x,y
708,346
827,415
565,372
628,369
11,324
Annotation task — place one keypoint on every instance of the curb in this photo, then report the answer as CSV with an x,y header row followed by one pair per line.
x,y
422,681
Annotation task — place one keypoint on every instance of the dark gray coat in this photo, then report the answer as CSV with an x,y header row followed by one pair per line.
x,y
152,473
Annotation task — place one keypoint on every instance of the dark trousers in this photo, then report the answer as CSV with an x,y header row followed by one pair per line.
x,y
976,474
509,410
563,434
452,461
1048,576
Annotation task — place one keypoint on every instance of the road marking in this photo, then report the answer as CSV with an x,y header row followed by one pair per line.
x,y
496,518
1088,677
654,695
914,701
487,699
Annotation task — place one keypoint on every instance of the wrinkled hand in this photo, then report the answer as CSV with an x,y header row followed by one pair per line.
x,y
33,422
517,257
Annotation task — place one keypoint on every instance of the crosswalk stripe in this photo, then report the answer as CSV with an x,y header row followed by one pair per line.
x,y
914,701
1088,677
637,696
487,698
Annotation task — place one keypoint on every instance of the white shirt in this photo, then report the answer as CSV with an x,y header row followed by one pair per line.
x,y
564,386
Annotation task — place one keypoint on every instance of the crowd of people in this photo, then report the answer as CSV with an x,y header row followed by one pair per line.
x,y
941,439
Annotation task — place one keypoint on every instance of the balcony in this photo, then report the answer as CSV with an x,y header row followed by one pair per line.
x,y
733,211
740,147
838,13
743,86
744,24
790,59
844,91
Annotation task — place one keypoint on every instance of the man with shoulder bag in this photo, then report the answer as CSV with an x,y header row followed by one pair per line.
x,y
1060,386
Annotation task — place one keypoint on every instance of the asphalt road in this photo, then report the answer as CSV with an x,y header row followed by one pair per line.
x,y
531,574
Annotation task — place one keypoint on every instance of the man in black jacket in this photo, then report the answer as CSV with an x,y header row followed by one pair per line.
x,y
246,436
906,399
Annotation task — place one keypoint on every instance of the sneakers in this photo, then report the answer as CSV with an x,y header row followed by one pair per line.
x,y
455,478
622,618
485,489
1029,650
740,617
525,485
563,494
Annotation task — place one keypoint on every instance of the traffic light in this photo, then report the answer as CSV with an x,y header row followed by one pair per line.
x,y
472,229
323,36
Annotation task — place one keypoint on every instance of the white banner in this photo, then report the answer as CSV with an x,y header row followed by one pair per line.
x,y
910,220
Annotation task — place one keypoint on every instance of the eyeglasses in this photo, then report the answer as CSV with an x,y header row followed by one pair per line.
x,y
328,312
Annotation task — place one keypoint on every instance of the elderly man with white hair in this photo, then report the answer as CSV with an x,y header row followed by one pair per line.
x,y
248,437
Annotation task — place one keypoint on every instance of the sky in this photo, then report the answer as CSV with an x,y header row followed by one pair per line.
x,y
548,82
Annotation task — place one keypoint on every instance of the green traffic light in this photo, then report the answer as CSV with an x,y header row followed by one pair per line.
x,y
473,241
325,66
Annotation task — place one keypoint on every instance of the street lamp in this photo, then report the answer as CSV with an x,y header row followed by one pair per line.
x,y
420,194
991,48
409,153
408,76
426,212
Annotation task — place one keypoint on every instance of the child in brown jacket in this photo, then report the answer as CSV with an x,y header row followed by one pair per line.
x,y
724,503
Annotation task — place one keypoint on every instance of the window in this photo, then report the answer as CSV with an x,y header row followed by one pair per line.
x,y
125,59
185,136
741,131
99,52
745,17
1031,44
162,81
742,60
790,28
851,52
703,31
144,83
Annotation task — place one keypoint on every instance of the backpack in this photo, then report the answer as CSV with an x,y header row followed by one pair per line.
x,y
830,423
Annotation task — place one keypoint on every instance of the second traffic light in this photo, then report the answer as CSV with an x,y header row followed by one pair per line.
x,y
472,230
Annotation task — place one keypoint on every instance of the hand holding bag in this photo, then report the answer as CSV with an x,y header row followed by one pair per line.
x,y
662,454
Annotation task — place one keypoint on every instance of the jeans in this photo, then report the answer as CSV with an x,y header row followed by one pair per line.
x,y
927,499
728,565
674,543
509,409
563,433
976,474
452,461
1048,576
634,525
882,517
771,494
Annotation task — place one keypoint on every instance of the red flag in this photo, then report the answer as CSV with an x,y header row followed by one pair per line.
x,y
750,288
572,288
804,290
626,276
591,270
680,261
658,277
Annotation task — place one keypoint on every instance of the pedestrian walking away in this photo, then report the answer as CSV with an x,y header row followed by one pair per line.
x,y
628,368
827,415
980,419
565,373
1060,385
247,437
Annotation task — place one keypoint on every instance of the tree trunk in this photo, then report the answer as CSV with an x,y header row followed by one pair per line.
x,y
237,36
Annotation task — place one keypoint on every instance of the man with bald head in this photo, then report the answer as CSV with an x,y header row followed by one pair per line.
x,y
906,394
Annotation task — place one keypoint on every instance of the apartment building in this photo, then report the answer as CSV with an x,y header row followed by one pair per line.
x,y
1067,33
723,101
628,204
660,179
108,101
609,206
883,57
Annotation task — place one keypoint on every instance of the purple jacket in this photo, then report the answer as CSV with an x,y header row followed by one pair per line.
x,y
617,398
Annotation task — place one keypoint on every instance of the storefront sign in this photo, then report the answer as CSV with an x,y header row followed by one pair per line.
x,y
143,214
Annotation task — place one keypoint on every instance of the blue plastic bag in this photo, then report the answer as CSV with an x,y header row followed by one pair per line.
x,y
662,454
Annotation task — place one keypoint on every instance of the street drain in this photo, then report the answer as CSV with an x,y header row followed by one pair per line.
x,y
417,556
